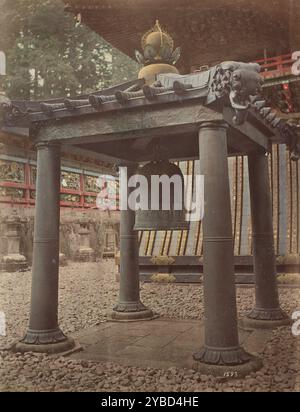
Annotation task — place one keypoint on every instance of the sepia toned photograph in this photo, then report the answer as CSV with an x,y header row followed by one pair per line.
x,y
149,199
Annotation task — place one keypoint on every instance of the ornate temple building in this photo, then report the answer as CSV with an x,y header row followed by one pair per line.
x,y
208,31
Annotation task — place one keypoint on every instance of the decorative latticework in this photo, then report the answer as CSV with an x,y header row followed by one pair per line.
x,y
92,183
70,180
79,188
11,171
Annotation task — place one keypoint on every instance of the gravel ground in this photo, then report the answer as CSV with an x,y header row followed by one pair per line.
x,y
87,293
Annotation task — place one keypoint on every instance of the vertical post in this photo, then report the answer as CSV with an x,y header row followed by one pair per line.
x,y
27,182
82,190
221,348
129,306
43,334
267,311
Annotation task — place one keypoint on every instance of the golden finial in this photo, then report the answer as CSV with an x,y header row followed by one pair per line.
x,y
157,32
160,31
158,54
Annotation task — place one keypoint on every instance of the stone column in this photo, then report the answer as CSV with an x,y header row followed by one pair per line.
x,y
129,306
267,312
43,334
221,351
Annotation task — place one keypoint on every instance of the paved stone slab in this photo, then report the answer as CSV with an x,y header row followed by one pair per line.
x,y
160,343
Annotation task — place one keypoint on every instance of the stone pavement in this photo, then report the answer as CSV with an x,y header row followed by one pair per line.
x,y
159,343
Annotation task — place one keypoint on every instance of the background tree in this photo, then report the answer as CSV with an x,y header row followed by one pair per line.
x,y
50,55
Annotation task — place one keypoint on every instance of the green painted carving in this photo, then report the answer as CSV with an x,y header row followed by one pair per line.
x,y
11,192
11,171
91,183
70,180
90,199
33,175
69,198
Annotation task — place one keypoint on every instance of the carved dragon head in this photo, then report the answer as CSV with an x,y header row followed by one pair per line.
x,y
238,81
244,82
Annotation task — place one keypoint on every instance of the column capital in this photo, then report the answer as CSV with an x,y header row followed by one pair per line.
x,y
213,124
47,144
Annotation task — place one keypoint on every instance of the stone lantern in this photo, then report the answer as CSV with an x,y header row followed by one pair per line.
x,y
85,253
14,260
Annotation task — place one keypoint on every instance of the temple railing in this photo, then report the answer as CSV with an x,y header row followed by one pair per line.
x,y
271,67
278,66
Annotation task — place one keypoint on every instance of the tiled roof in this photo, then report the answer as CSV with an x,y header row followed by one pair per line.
x,y
168,89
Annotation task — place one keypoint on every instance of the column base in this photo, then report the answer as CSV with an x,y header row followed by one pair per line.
x,y
49,341
127,312
85,255
226,362
229,371
265,319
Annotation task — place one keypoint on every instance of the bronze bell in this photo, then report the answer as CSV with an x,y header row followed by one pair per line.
x,y
157,218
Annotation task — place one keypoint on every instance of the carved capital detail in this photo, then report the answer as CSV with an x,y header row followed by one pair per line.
x,y
213,124
47,145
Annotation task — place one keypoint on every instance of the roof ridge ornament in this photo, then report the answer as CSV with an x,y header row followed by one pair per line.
x,y
158,47
158,54
159,39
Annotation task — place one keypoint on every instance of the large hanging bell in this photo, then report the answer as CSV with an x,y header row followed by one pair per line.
x,y
166,210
